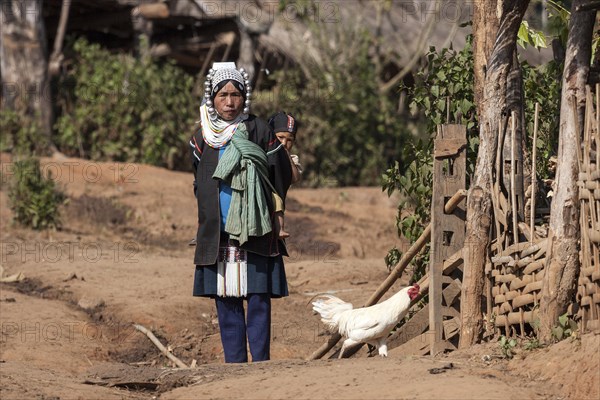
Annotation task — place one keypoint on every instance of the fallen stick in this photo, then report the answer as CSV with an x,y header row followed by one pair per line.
x,y
160,346
18,277
449,207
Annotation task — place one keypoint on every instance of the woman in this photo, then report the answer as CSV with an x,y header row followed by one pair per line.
x,y
239,169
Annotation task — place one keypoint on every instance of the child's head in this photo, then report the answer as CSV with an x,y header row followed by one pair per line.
x,y
285,127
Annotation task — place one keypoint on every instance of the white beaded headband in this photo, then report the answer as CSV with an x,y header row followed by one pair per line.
x,y
224,71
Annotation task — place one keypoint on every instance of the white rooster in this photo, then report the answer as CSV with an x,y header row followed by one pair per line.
x,y
370,325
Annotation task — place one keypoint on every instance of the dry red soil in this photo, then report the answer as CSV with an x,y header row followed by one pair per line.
x,y
121,258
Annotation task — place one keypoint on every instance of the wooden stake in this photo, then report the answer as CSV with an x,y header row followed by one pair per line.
x,y
513,185
597,116
577,127
593,203
206,62
533,173
495,186
597,136
261,70
500,209
585,241
587,128
160,346
56,57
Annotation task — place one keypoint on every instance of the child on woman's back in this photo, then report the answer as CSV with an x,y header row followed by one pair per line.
x,y
285,127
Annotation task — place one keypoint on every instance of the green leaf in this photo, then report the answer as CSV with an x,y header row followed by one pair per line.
x,y
562,320
572,325
539,40
440,105
466,106
528,36
523,34
558,332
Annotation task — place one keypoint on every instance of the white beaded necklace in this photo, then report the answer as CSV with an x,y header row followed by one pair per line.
x,y
217,132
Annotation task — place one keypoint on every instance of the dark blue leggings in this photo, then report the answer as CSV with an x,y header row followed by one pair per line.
x,y
234,326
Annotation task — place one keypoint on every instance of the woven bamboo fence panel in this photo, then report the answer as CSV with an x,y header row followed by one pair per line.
x,y
516,277
588,291
517,268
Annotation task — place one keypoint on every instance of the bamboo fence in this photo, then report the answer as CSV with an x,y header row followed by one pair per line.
x,y
588,291
517,266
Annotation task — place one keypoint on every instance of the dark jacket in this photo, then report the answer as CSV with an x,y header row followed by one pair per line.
x,y
206,189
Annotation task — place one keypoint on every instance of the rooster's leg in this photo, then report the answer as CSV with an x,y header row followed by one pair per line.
x,y
383,348
347,343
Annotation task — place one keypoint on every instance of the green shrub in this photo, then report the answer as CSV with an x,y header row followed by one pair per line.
x,y
566,327
543,85
445,81
115,107
20,134
34,199
350,131
506,346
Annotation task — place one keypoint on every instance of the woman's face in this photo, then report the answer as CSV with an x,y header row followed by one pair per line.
x,y
229,102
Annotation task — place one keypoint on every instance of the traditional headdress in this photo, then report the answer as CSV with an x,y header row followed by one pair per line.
x,y
283,122
218,76
216,131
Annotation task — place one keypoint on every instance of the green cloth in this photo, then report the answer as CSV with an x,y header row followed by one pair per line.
x,y
243,165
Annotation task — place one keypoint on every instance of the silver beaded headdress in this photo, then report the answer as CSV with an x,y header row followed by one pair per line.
x,y
223,71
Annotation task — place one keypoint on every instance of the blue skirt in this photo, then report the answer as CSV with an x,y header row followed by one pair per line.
x,y
265,275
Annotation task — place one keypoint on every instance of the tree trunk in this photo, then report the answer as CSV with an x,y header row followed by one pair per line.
x,y
562,267
479,211
485,28
25,85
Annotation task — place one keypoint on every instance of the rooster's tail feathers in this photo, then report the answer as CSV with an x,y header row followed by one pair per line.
x,y
330,308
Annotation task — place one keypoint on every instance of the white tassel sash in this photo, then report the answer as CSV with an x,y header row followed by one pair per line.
x,y
232,272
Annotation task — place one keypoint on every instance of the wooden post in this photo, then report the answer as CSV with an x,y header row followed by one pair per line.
x,y
448,229
248,44
201,77
229,39
513,177
261,70
56,57
513,167
142,34
534,173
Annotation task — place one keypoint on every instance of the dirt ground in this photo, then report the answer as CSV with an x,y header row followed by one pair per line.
x,y
122,258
